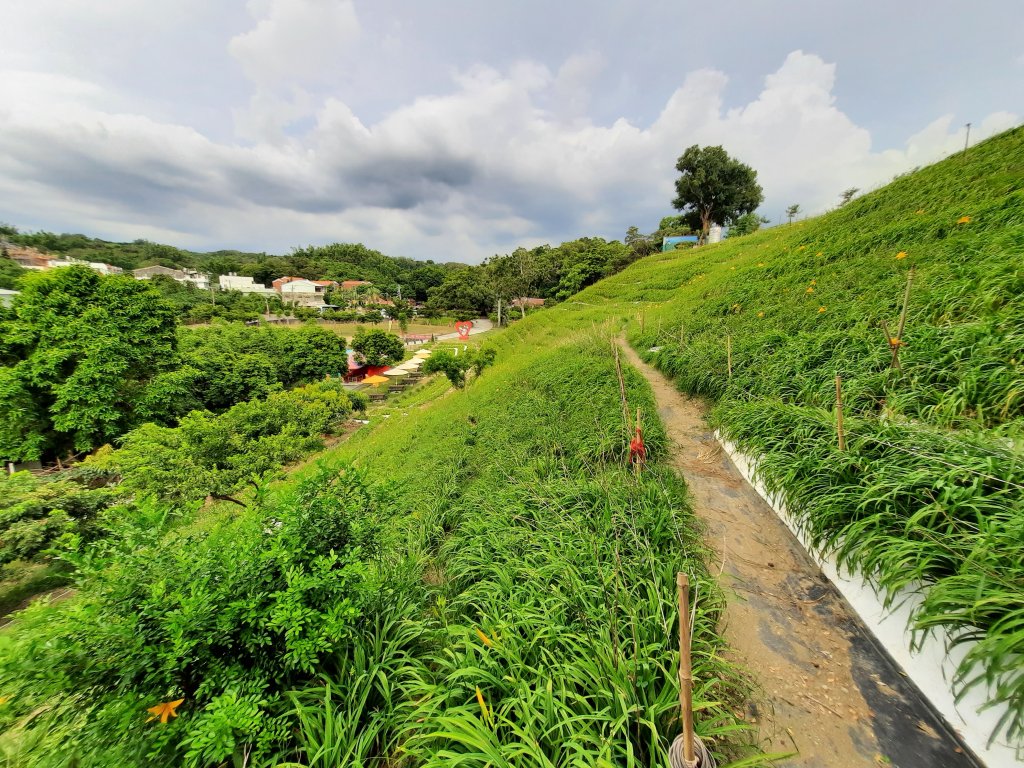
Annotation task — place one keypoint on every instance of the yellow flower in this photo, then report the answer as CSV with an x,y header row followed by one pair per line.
x,y
820,310
484,638
901,255
814,282
802,248
820,253
897,343
4,700
760,263
810,289
483,704
919,211
760,314
964,220
164,710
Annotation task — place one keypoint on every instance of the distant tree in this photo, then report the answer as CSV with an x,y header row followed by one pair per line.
x,y
745,224
10,271
453,366
714,188
848,194
463,290
640,244
377,347
792,211
75,352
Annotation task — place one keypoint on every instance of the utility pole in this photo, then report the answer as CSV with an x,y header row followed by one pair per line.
x,y
967,138
499,312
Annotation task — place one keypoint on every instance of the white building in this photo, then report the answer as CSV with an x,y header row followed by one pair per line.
x,y
7,297
241,283
199,279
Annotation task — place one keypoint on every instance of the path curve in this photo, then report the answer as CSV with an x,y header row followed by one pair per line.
x,y
480,325
826,690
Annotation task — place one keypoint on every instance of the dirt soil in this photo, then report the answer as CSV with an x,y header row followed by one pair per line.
x,y
826,690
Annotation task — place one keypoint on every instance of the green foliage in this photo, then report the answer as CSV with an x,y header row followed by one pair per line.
x,y
745,224
225,619
217,455
377,347
34,513
928,493
75,352
10,271
714,188
453,366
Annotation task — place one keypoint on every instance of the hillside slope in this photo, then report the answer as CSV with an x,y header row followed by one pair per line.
x,y
929,490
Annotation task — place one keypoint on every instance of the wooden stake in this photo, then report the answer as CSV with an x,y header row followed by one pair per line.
x,y
728,353
639,461
903,322
622,393
685,670
839,412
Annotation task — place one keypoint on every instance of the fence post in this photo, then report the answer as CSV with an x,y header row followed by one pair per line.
x,y
839,412
728,353
685,671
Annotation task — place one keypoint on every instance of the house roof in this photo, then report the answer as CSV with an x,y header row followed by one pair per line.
x,y
354,283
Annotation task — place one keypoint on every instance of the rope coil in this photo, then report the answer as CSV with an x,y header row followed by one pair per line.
x,y
702,755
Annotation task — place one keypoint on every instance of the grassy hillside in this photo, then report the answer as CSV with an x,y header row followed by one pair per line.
x,y
518,608
929,490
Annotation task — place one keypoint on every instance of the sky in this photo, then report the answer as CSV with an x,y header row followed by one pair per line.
x,y
458,129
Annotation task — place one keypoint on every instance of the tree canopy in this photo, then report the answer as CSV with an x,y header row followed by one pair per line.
x,y
377,347
76,350
714,188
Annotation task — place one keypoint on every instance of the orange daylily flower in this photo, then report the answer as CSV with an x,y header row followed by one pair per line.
x,y
964,220
484,638
802,248
483,704
897,343
820,310
810,289
901,255
164,710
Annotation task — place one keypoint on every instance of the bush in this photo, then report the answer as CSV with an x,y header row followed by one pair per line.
x,y
35,513
225,620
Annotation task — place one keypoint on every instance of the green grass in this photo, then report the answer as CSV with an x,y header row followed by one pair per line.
x,y
929,493
527,609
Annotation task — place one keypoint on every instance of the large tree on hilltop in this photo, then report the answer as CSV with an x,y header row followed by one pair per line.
x,y
76,350
714,188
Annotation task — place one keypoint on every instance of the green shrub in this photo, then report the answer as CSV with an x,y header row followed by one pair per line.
x,y
226,620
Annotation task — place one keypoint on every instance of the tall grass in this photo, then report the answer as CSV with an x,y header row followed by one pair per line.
x,y
928,495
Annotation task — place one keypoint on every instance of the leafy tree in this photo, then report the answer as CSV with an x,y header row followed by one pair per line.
x,y
453,366
714,187
792,211
377,347
745,224
463,290
640,244
848,194
76,350
10,271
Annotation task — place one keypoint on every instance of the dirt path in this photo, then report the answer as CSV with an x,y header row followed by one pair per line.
x,y
827,691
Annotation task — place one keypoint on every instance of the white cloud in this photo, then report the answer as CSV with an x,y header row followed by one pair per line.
x,y
503,158
295,40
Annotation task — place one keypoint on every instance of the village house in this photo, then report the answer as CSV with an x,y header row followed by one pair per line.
x,y
242,284
198,279
303,292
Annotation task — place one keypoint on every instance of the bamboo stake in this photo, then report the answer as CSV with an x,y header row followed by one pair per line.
x,y
728,353
685,671
903,322
622,391
639,428
839,412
